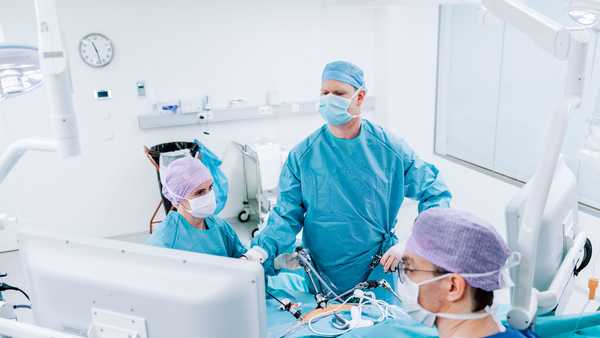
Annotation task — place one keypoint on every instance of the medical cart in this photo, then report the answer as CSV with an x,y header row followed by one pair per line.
x,y
261,163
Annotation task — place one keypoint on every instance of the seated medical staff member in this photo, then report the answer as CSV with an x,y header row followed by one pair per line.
x,y
344,185
452,264
187,183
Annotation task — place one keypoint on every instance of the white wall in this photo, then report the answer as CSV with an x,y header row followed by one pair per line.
x,y
410,107
181,49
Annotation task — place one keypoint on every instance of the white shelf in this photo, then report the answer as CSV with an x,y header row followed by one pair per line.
x,y
153,121
389,3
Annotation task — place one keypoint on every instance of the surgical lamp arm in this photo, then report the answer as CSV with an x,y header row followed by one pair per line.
x,y
561,43
17,149
57,78
545,32
57,75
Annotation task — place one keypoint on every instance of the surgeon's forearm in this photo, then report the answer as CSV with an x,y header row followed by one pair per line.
x,y
426,185
279,236
239,249
440,200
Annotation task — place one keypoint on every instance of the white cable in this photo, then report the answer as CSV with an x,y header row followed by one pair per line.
x,y
364,299
310,322
321,334
383,312
370,296
581,316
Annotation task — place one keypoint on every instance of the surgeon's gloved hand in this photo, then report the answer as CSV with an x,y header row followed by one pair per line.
x,y
287,261
257,254
392,258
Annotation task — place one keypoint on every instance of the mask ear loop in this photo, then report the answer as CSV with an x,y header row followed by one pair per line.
x,y
513,260
355,95
504,278
492,311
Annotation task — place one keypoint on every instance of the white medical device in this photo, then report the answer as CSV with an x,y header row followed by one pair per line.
x,y
20,72
585,12
262,164
22,69
542,222
105,288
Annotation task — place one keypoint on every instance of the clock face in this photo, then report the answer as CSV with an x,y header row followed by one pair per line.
x,y
96,50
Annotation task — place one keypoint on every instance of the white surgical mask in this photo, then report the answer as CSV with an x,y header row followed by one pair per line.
x,y
203,206
408,291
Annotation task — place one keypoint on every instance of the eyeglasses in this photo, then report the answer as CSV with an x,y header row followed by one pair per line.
x,y
403,269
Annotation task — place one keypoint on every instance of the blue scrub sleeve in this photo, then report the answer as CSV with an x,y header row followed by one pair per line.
x,y
422,182
286,219
235,248
165,233
156,240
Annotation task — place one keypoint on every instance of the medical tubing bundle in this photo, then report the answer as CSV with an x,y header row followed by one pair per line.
x,y
365,298
382,306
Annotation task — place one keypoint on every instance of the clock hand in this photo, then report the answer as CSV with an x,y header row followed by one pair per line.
x,y
97,53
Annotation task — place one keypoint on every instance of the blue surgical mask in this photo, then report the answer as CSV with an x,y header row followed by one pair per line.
x,y
334,108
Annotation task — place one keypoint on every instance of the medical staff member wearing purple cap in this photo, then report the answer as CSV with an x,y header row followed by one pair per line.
x,y
452,264
188,184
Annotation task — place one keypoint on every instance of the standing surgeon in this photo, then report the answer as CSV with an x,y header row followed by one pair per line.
x,y
343,186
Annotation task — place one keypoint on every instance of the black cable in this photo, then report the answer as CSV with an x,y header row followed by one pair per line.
x,y
587,257
6,287
287,307
22,307
371,284
277,299
374,262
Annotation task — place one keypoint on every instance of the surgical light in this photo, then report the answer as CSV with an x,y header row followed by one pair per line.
x,y
585,12
19,69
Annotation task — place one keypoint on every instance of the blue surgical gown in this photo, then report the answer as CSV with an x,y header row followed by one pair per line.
x,y
218,239
512,333
345,194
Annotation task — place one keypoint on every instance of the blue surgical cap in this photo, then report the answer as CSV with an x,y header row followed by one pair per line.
x,y
345,72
